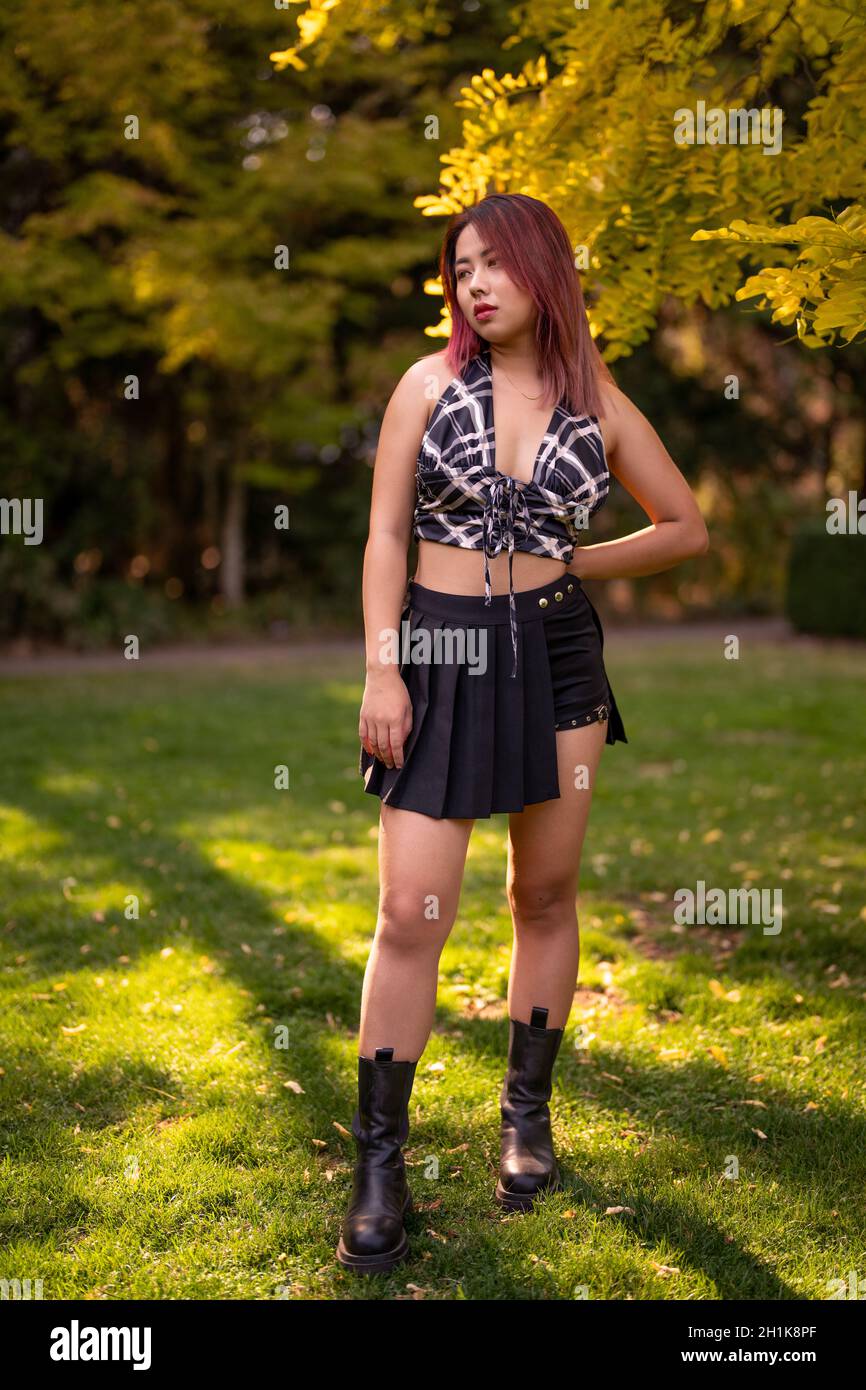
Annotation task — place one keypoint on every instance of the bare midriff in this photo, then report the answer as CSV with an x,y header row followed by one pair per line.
x,y
453,570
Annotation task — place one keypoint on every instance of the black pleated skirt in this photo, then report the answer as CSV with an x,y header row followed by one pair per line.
x,y
484,741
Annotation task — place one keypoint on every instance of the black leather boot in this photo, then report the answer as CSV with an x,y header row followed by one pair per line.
x,y
373,1238
527,1162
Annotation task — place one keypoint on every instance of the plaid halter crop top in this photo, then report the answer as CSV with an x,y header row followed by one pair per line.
x,y
463,500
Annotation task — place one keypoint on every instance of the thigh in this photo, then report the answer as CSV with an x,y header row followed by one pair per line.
x,y
545,840
421,863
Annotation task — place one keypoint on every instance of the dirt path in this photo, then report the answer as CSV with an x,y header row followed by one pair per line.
x,y
301,654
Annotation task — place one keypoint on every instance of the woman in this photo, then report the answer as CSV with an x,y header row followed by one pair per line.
x,y
486,690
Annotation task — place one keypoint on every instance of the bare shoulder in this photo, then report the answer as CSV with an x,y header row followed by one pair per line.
x,y
430,376
408,412
630,441
619,415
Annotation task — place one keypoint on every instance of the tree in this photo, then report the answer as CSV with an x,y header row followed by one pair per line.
x,y
598,127
194,253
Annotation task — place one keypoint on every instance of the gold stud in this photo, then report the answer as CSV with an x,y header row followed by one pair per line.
x,y
570,587
558,596
542,603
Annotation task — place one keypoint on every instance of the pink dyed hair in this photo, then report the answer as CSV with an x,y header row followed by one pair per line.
x,y
533,247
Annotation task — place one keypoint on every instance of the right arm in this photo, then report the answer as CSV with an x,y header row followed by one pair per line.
x,y
385,719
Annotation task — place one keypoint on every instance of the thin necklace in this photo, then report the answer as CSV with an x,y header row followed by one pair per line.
x,y
517,388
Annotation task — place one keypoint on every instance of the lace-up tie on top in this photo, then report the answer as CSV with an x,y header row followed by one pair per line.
x,y
505,511
463,499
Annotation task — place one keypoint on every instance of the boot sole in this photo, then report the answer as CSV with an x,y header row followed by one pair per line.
x,y
522,1201
379,1263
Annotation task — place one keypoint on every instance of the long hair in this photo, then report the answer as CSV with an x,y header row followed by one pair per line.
x,y
533,247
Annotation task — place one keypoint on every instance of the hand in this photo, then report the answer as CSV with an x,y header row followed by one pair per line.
x,y
385,720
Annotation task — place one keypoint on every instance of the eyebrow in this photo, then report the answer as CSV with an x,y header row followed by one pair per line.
x,y
485,252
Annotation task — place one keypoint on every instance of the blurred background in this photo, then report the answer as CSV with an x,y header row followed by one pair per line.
x,y
219,232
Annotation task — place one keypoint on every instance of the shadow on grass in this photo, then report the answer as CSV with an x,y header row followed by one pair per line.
x,y
52,931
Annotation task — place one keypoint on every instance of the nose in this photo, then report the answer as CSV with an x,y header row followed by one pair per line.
x,y
476,282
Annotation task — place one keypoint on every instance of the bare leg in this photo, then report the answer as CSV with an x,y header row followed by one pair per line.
x,y
421,862
544,848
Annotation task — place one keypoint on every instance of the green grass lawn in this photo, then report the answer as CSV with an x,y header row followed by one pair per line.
x,y
177,1088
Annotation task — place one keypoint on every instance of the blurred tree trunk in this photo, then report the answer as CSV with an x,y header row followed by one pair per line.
x,y
233,565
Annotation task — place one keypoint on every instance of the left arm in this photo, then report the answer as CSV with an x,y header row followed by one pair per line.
x,y
637,457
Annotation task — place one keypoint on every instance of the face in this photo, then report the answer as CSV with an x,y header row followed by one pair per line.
x,y
481,280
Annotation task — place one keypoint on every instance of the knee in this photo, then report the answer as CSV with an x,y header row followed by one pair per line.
x,y
408,921
543,904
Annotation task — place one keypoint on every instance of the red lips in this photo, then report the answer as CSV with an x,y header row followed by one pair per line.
x,y
484,310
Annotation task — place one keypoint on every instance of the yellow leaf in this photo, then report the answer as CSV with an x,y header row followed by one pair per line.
x,y
718,1053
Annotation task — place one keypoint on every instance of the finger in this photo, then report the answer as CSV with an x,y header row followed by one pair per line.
x,y
396,734
383,743
365,735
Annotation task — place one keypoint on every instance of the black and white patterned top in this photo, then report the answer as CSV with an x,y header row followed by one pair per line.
x,y
462,499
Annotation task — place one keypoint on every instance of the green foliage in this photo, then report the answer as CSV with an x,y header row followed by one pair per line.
x,y
150,261
160,356
588,127
824,292
827,582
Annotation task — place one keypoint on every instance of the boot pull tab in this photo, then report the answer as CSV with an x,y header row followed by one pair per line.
x,y
386,1054
538,1018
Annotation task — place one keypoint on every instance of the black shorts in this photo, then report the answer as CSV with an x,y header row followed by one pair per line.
x,y
484,741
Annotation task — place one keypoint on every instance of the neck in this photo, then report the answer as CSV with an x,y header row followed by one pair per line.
x,y
518,363
515,357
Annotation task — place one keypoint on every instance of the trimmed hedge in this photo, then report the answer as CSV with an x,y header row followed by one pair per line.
x,y
826,590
